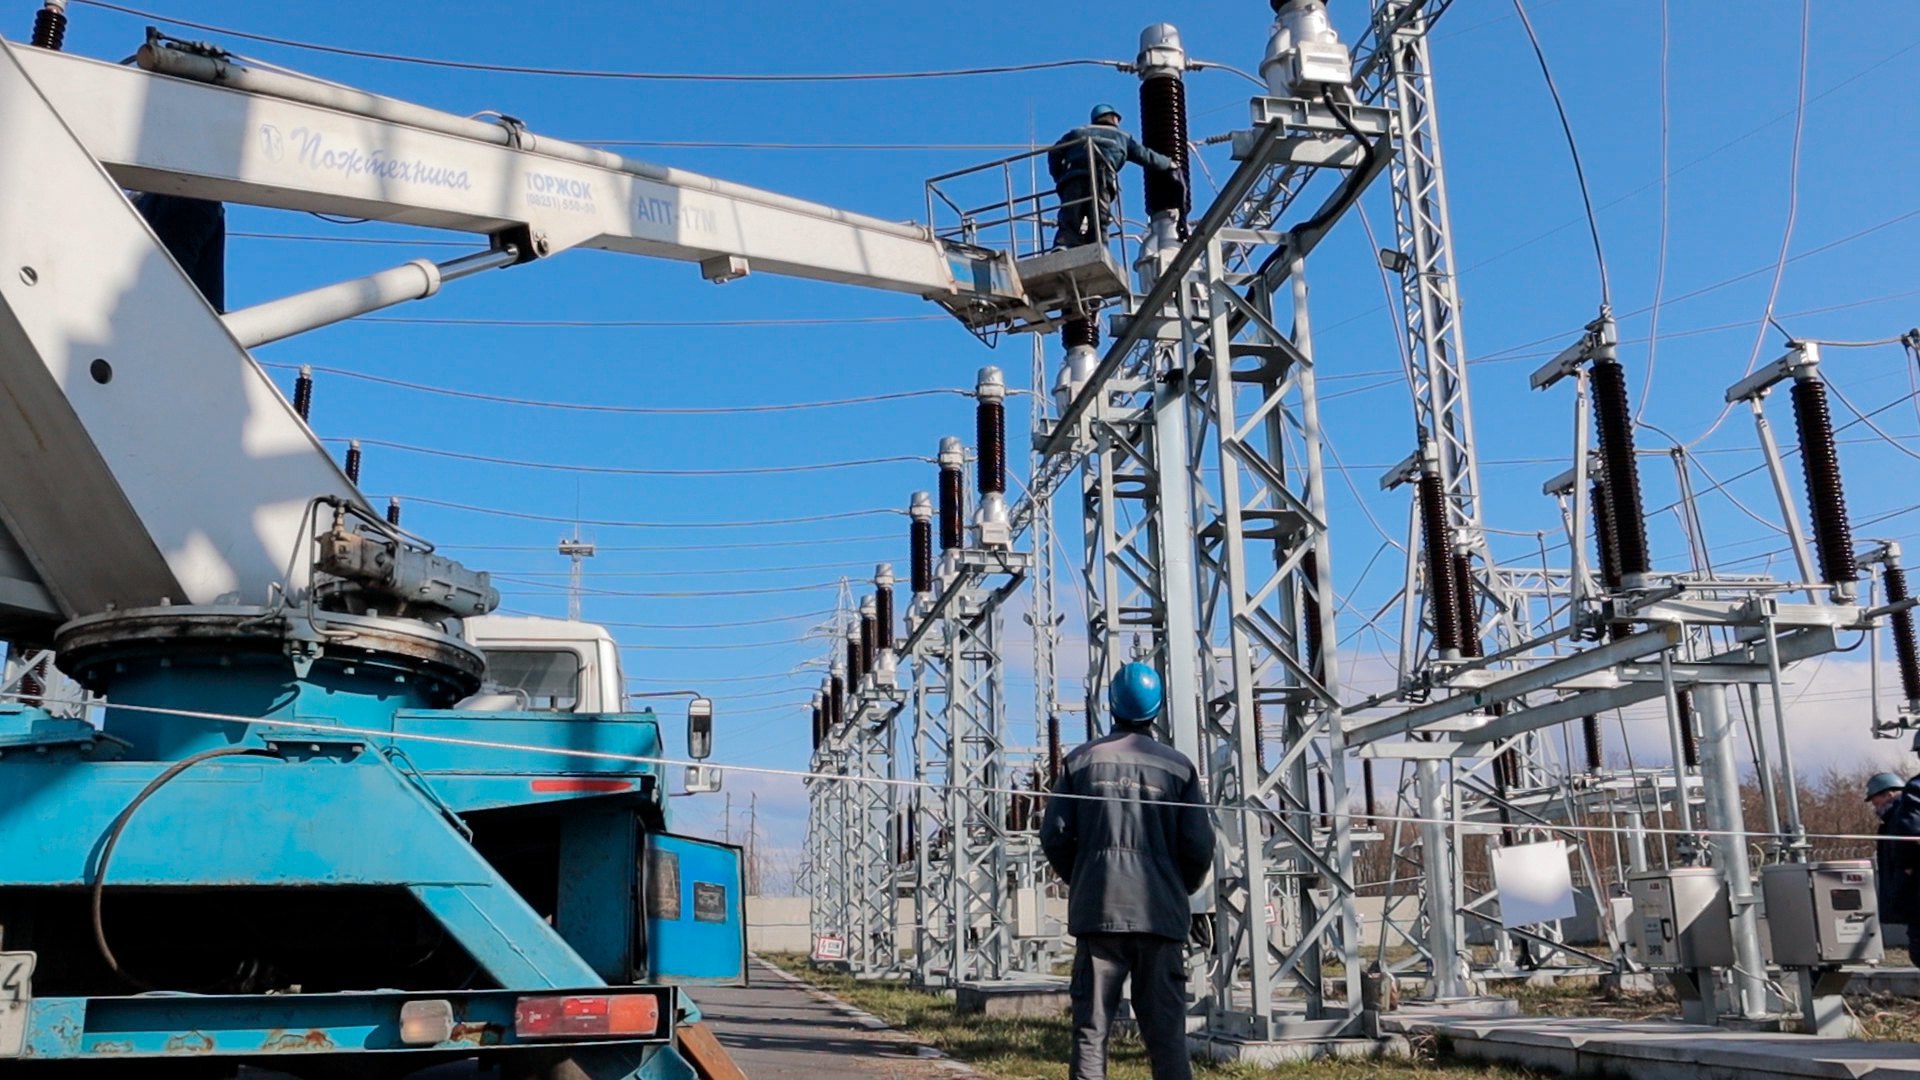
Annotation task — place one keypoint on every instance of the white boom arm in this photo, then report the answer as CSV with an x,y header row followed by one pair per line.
x,y
148,457
213,129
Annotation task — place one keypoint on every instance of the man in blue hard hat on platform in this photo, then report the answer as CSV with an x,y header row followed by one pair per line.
x,y
1126,827
1897,856
1085,165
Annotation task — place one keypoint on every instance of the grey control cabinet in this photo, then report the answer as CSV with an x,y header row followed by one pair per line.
x,y
1822,914
1681,918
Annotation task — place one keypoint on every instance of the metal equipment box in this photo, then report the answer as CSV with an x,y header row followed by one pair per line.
x,y
1821,914
1681,918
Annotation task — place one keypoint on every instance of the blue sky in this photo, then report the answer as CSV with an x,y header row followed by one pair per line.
x,y
1527,278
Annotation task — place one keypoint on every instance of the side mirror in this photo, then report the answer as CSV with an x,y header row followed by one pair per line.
x,y
700,729
702,780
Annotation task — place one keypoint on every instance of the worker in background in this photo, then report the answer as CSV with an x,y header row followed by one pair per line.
x,y
1126,828
1085,165
1897,857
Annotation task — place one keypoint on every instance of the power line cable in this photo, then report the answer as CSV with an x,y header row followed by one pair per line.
x,y
682,594
731,625
523,515
585,73
1573,149
717,572
622,410
754,546
621,470
1793,214
647,324
1666,184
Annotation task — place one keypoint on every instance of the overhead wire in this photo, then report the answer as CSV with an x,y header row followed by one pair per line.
x,y
1573,149
647,324
624,470
1793,214
1666,183
306,725
804,542
523,515
589,73
621,410
727,625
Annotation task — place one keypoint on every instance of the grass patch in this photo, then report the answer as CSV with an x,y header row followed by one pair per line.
x,y
1036,1048
1883,1017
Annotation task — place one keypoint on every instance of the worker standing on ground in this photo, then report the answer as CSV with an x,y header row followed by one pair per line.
x,y
1897,858
1085,165
1126,827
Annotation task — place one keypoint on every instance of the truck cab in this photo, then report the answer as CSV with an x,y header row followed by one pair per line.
x,y
546,665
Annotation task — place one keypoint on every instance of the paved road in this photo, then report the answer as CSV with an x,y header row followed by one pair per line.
x,y
776,1029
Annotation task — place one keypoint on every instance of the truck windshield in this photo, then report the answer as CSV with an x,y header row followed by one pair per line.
x,y
549,679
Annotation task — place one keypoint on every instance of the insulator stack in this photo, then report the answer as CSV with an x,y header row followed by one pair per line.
x,y
1442,595
303,392
1613,416
920,541
1590,734
1689,737
1259,739
1468,607
1905,654
819,722
990,431
883,607
393,511
33,684
353,461
869,635
1078,333
952,495
1326,806
1609,554
1053,748
1310,612
836,691
1163,127
1507,771
50,26
856,669
1826,499
1366,784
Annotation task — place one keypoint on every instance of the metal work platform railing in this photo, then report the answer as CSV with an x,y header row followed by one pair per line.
x,y
992,208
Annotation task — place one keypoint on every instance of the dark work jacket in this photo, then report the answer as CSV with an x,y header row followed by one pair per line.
x,y
1897,862
1131,855
1067,162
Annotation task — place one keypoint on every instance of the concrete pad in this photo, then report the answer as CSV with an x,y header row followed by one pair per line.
x,y
1035,996
1267,1054
1658,1050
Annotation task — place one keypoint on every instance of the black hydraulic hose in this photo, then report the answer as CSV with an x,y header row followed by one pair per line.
x,y
1329,214
99,886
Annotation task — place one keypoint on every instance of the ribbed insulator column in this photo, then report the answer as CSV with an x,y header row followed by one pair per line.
x,y
1905,655
1443,598
1826,498
920,543
1613,416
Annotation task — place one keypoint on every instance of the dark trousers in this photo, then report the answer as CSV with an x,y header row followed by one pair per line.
x,y
1076,225
1101,962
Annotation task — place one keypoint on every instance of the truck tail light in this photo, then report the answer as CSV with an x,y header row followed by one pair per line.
x,y
586,1015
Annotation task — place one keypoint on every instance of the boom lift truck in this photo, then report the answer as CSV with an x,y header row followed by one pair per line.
x,y
334,816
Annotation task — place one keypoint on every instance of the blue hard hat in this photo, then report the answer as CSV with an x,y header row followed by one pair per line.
x,y
1135,695
1885,781
1101,110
